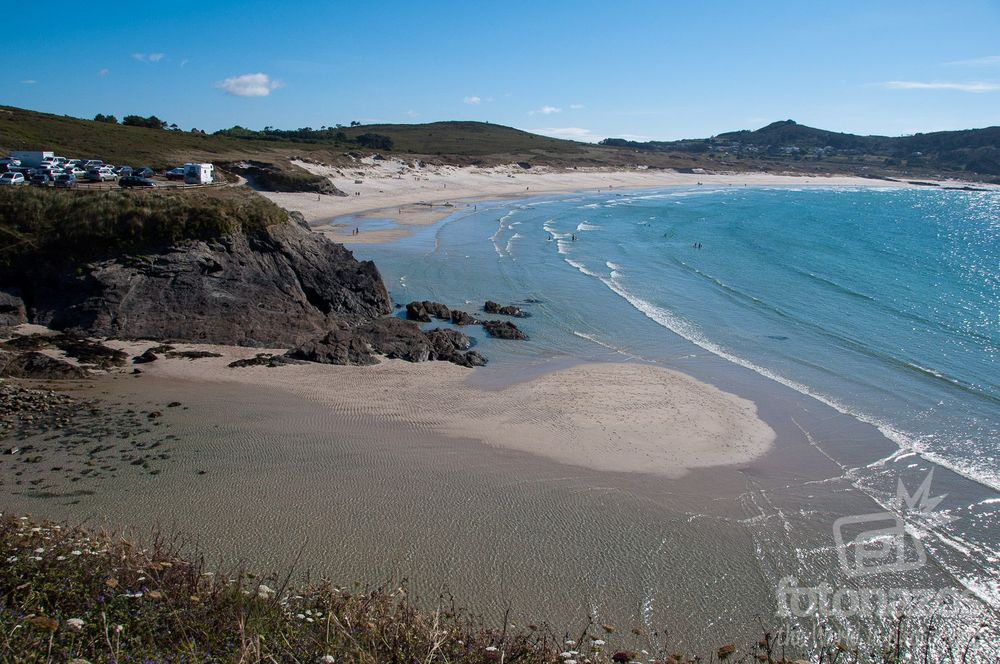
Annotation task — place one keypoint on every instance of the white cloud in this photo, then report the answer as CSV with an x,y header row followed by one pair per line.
x,y
576,107
977,62
472,100
961,87
148,57
29,81
249,85
104,72
412,114
184,62
546,110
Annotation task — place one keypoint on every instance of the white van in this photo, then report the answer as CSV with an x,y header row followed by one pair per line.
x,y
198,173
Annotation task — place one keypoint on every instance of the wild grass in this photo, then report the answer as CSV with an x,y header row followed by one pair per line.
x,y
66,228
67,594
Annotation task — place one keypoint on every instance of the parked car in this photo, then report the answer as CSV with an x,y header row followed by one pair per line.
x,y
175,173
10,161
88,164
47,171
74,170
11,179
65,180
135,181
40,180
101,174
145,172
123,170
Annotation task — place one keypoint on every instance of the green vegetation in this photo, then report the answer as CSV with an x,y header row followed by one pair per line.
x,y
65,228
461,143
152,122
66,593
972,152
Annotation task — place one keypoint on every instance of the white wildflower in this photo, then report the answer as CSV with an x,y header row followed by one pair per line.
x,y
76,552
491,649
327,659
74,624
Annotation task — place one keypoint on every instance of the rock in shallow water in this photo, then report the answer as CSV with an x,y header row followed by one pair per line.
x,y
502,329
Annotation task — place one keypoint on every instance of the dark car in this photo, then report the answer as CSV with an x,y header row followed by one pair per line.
x,y
40,180
135,181
124,171
175,174
145,172
67,180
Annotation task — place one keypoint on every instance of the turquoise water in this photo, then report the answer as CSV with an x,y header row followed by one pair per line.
x,y
879,304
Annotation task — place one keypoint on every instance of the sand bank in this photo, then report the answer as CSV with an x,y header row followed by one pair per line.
x,y
611,417
411,195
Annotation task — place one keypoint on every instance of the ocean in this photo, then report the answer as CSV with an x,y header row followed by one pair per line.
x,y
864,322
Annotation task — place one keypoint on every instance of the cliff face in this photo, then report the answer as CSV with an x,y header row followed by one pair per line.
x,y
277,286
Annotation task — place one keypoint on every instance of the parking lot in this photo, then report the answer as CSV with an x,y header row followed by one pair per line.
x,y
44,169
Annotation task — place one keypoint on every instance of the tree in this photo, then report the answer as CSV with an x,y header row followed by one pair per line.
x,y
355,123
110,119
152,122
374,141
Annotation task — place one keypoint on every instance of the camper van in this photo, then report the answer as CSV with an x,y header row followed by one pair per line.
x,y
198,173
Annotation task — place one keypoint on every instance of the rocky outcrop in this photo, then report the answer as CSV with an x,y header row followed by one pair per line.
x,y
390,337
422,312
462,318
12,311
278,286
502,329
492,307
37,365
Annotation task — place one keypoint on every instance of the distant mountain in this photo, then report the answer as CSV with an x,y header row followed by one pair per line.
x,y
971,151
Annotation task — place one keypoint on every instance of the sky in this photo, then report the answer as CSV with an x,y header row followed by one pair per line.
x,y
578,69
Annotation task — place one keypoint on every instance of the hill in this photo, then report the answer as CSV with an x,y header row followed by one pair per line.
x,y
971,153
458,143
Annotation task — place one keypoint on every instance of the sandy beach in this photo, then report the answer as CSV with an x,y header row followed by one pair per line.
x,y
610,417
412,195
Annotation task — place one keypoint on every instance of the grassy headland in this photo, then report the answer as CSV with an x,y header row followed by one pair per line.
x,y
64,228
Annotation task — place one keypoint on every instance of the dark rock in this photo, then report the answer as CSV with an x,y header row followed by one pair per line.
x,y
34,364
416,311
173,404
524,164
503,329
12,310
462,318
85,351
392,338
192,354
278,286
423,311
492,307
263,360
146,357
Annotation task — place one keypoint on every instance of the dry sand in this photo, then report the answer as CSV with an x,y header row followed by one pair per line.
x,y
611,417
411,195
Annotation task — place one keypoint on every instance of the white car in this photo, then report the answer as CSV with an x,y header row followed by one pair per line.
x,y
10,179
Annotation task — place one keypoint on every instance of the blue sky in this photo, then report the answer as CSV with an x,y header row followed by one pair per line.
x,y
582,69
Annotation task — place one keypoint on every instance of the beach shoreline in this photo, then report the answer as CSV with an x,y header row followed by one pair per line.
x,y
388,199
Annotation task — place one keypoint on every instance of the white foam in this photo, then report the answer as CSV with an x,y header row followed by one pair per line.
x,y
581,267
510,242
584,226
